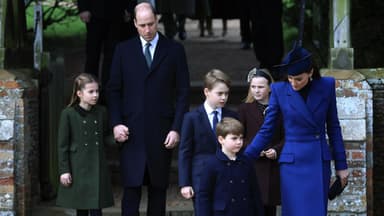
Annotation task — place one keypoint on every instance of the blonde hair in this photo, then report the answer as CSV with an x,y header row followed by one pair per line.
x,y
216,76
255,72
229,125
78,84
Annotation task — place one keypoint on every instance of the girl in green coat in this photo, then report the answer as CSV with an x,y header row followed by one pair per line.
x,y
84,177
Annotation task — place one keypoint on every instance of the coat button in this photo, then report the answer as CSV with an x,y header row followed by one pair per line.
x,y
84,122
244,199
85,133
96,133
233,200
86,144
95,121
317,136
97,143
228,164
242,181
230,181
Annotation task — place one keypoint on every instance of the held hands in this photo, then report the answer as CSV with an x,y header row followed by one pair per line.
x,y
66,179
121,133
85,16
270,154
343,176
172,140
187,192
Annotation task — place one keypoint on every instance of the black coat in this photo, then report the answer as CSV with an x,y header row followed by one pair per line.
x,y
229,188
104,9
150,102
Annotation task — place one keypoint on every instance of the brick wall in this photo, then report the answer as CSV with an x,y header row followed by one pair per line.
x,y
359,105
18,142
354,103
377,203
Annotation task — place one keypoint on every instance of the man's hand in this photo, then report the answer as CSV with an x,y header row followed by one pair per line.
x,y
172,140
121,133
85,16
187,192
66,179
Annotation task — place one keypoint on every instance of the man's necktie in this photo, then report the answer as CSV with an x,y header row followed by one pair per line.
x,y
215,120
147,54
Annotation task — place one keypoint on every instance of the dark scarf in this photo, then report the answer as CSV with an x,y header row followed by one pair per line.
x,y
305,91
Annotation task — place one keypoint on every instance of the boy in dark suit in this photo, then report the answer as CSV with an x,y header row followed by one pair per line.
x,y
228,185
198,141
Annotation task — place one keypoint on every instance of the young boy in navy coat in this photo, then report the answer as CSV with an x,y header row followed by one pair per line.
x,y
198,140
228,185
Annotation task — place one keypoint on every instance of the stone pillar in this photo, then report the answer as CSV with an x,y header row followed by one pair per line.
x,y
354,103
3,6
19,149
341,56
376,186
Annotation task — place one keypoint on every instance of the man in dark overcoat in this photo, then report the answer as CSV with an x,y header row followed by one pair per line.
x,y
267,32
147,97
104,21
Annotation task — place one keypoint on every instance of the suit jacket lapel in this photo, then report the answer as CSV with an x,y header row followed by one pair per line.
x,y
204,119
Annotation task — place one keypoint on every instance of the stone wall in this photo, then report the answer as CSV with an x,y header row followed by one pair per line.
x,y
358,105
377,186
19,152
354,102
378,149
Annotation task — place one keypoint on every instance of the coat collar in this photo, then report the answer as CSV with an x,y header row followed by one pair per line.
x,y
315,96
221,156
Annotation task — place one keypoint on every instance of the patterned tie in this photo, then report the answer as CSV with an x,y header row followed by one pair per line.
x,y
215,120
147,55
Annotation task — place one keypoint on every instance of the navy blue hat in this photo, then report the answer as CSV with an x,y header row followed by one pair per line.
x,y
296,62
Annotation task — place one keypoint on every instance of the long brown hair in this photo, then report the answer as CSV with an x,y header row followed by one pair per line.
x,y
78,84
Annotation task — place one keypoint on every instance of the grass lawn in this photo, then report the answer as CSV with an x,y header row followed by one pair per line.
x,y
67,33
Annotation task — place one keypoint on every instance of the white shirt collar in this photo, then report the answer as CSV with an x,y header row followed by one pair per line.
x,y
153,42
209,109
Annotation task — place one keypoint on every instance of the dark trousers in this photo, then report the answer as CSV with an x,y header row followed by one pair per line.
x,y
270,210
102,37
172,25
89,212
156,199
131,201
245,22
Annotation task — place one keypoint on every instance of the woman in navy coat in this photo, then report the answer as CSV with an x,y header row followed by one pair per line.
x,y
308,105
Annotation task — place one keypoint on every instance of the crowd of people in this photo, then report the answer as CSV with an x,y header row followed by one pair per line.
x,y
273,151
